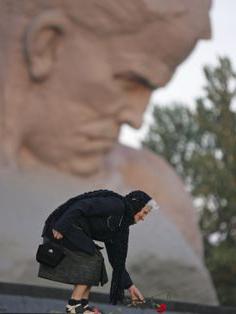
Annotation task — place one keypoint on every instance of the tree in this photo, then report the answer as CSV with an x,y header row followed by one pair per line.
x,y
201,145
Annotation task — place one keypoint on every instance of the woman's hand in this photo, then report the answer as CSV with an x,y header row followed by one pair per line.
x,y
57,235
136,295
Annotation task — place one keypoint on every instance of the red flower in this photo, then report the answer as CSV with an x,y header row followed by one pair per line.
x,y
161,308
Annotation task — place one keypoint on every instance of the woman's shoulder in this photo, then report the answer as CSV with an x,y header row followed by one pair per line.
x,y
100,206
116,205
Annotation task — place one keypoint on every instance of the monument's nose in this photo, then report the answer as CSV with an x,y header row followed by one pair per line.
x,y
129,116
137,121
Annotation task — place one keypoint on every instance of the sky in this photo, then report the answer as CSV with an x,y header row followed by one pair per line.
x,y
188,80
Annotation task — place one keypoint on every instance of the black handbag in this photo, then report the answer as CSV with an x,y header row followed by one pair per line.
x,y
50,254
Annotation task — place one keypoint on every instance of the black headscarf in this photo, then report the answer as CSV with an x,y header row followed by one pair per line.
x,y
135,201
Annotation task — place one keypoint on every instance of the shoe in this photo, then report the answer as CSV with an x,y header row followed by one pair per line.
x,y
91,309
74,309
81,309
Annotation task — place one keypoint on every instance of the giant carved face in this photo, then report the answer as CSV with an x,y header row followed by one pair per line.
x,y
91,66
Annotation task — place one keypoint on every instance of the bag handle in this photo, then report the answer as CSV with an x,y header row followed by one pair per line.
x,y
53,240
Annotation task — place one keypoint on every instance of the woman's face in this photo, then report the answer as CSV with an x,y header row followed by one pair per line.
x,y
141,214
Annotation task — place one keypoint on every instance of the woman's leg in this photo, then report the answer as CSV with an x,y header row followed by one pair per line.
x,y
85,302
79,291
86,292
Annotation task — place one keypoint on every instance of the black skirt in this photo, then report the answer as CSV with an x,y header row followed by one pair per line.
x,y
77,267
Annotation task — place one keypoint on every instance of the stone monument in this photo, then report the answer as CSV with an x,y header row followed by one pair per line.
x,y
72,72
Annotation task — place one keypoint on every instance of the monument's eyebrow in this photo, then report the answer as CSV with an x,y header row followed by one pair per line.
x,y
135,77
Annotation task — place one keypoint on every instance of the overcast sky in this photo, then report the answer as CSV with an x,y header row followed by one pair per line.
x,y
188,80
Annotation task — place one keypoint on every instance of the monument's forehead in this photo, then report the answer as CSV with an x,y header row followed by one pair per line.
x,y
168,7
107,17
175,6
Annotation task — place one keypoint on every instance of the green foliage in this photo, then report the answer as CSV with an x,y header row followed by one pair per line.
x,y
201,145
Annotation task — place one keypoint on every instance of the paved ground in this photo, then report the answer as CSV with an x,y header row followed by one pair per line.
x,y
20,298
26,304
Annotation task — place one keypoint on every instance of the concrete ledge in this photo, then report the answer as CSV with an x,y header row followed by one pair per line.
x,y
33,291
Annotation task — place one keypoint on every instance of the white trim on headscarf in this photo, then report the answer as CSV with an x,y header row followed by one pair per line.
x,y
152,204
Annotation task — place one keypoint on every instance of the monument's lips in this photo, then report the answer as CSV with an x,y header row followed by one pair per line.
x,y
101,129
88,144
95,146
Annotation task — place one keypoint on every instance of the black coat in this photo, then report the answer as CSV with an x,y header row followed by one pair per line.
x,y
85,220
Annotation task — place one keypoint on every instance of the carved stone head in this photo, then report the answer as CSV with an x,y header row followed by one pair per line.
x,y
74,71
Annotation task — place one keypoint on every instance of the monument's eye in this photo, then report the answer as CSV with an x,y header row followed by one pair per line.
x,y
132,80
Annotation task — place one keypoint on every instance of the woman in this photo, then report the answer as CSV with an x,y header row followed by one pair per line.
x,y
101,215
